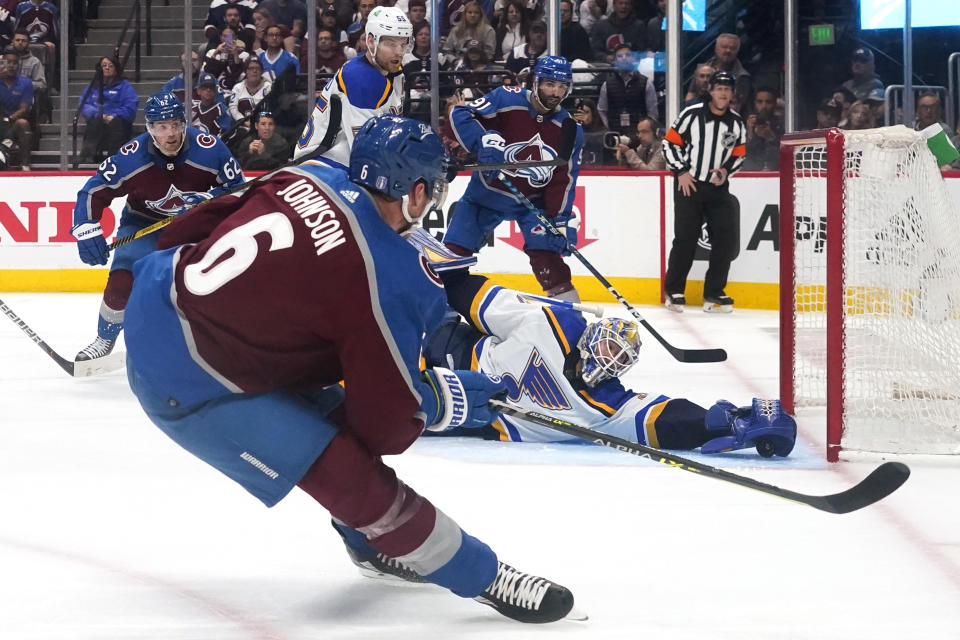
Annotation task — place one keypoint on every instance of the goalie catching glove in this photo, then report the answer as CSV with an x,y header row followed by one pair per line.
x,y
459,398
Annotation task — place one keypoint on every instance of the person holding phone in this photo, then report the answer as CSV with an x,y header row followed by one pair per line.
x,y
227,60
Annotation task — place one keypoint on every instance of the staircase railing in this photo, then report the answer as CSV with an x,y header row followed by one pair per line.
x,y
133,18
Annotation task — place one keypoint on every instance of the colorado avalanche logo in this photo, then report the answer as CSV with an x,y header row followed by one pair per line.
x,y
533,149
170,204
538,383
430,273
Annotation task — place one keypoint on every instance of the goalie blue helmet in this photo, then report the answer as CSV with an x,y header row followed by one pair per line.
x,y
163,106
391,154
608,349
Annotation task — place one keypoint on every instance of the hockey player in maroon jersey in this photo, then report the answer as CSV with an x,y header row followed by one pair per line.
x,y
256,306
161,172
510,124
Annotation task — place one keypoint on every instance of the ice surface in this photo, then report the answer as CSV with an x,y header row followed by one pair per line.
x,y
109,531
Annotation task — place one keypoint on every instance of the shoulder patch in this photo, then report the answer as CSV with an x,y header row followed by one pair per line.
x,y
512,89
130,148
206,140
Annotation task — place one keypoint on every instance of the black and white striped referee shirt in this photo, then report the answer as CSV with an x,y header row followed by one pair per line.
x,y
700,141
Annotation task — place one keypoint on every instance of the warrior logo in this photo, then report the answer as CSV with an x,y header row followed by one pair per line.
x,y
533,149
170,204
537,382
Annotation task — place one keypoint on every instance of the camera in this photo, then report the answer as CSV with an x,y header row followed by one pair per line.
x,y
612,139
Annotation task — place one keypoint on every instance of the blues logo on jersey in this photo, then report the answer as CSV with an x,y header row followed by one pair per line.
x,y
538,383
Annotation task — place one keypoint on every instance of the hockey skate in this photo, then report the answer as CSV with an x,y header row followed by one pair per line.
x,y
374,564
718,304
528,598
763,425
96,349
675,302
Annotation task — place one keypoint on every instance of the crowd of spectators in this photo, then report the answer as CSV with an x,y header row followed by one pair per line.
x,y
254,60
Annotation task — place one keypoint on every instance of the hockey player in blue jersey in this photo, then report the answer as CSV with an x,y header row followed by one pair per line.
x,y
252,310
510,124
162,172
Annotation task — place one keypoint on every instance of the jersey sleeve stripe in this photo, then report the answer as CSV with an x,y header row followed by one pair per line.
x,y
652,412
341,84
557,330
603,408
481,301
386,93
476,352
502,430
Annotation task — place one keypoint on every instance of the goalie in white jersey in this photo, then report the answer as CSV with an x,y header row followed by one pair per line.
x,y
367,85
552,361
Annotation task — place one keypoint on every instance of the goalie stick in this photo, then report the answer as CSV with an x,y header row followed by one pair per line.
x,y
881,482
80,369
683,355
333,128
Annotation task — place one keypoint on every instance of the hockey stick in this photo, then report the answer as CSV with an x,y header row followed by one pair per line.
x,y
336,111
568,138
79,369
683,355
881,482
592,309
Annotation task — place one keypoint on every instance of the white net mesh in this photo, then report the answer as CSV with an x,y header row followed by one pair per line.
x,y
901,320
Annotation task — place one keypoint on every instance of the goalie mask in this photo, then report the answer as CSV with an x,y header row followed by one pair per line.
x,y
608,349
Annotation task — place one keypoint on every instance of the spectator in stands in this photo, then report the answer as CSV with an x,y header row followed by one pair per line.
x,y
359,24
620,27
261,21
227,61
865,78
291,14
342,11
828,114
7,23
248,94
860,116
645,153
930,112
236,14
590,11
41,20
764,130
176,84
656,34
699,85
626,95
472,26
843,97
512,31
585,112
264,148
875,100
724,58
473,61
210,112
16,98
31,67
417,11
574,41
522,59
329,52
328,19
108,106
415,61
277,60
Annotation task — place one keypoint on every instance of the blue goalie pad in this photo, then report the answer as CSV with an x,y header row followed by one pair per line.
x,y
763,425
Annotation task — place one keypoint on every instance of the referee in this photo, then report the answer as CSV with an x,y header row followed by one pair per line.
x,y
703,148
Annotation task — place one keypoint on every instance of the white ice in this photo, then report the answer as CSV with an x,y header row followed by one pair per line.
x,y
109,531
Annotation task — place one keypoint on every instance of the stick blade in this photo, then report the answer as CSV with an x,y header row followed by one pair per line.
x,y
100,366
881,482
699,355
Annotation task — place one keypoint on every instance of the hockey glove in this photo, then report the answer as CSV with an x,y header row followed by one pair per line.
x,y
460,398
90,242
192,199
569,225
492,146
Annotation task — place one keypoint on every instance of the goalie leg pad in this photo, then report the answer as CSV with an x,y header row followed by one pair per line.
x,y
763,424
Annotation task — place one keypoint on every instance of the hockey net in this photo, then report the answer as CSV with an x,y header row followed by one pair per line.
x,y
870,290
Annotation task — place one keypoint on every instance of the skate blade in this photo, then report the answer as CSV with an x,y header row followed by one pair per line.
x,y
718,308
99,366
373,574
577,615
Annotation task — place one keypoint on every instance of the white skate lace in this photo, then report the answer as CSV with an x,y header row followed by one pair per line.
x,y
98,348
517,588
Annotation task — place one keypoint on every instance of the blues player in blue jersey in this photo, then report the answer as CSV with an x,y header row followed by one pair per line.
x,y
510,124
162,172
241,325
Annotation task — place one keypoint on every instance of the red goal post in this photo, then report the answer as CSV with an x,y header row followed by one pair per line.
x,y
870,290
